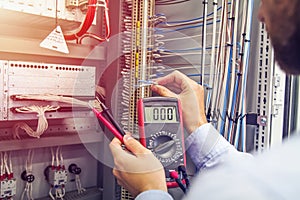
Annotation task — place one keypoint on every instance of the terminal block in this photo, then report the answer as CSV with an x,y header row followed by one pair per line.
x,y
8,188
56,176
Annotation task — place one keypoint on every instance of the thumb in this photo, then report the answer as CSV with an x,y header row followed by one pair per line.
x,y
163,91
134,146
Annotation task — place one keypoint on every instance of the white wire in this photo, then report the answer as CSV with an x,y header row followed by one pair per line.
x,y
42,120
60,193
2,164
5,163
28,167
80,189
10,163
52,157
213,55
52,97
181,38
61,157
57,157
50,193
106,16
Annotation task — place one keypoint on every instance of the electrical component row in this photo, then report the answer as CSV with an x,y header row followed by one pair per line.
x,y
55,174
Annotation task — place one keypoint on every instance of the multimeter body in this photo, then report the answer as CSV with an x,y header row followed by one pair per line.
x,y
161,131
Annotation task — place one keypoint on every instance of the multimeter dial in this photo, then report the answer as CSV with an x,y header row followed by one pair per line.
x,y
166,146
161,130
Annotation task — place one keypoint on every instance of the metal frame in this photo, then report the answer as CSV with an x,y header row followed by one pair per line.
x,y
270,95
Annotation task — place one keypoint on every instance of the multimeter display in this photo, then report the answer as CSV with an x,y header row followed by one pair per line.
x,y
160,114
161,130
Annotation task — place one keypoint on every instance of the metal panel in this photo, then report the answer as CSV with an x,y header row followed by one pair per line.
x,y
277,112
270,96
265,70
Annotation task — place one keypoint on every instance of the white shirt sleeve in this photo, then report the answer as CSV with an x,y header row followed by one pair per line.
x,y
207,148
154,194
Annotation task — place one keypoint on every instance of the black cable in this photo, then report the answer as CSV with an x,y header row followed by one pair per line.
x,y
180,184
182,169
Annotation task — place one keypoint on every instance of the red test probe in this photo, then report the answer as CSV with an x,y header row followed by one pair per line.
x,y
110,123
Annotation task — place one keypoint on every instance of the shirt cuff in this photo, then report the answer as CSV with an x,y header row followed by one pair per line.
x,y
154,194
205,144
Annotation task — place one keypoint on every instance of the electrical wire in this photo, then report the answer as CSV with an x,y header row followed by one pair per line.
x,y
42,120
164,30
40,110
231,76
28,169
188,21
212,60
245,63
104,4
85,25
52,97
57,163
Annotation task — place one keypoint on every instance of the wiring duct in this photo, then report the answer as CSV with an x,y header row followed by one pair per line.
x,y
225,40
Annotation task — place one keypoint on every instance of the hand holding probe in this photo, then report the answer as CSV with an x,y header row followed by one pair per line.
x,y
111,124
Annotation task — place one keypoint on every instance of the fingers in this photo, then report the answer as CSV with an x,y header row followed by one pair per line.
x,y
115,147
174,77
163,91
134,146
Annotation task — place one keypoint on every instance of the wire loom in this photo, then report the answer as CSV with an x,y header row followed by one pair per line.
x,y
42,120
40,110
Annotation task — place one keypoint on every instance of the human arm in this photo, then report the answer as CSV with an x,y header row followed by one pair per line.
x,y
190,94
204,144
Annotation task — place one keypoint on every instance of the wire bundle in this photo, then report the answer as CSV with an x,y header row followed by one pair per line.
x,y
86,24
6,169
57,163
42,120
40,110
104,4
7,175
52,97
223,62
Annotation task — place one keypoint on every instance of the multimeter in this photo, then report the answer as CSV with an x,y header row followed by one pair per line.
x,y
161,131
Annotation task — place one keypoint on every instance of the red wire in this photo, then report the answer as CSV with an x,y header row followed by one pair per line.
x,y
108,21
86,24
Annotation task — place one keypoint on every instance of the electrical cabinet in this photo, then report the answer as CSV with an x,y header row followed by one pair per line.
x,y
57,56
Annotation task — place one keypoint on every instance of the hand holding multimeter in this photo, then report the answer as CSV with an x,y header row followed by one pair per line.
x,y
161,131
192,100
